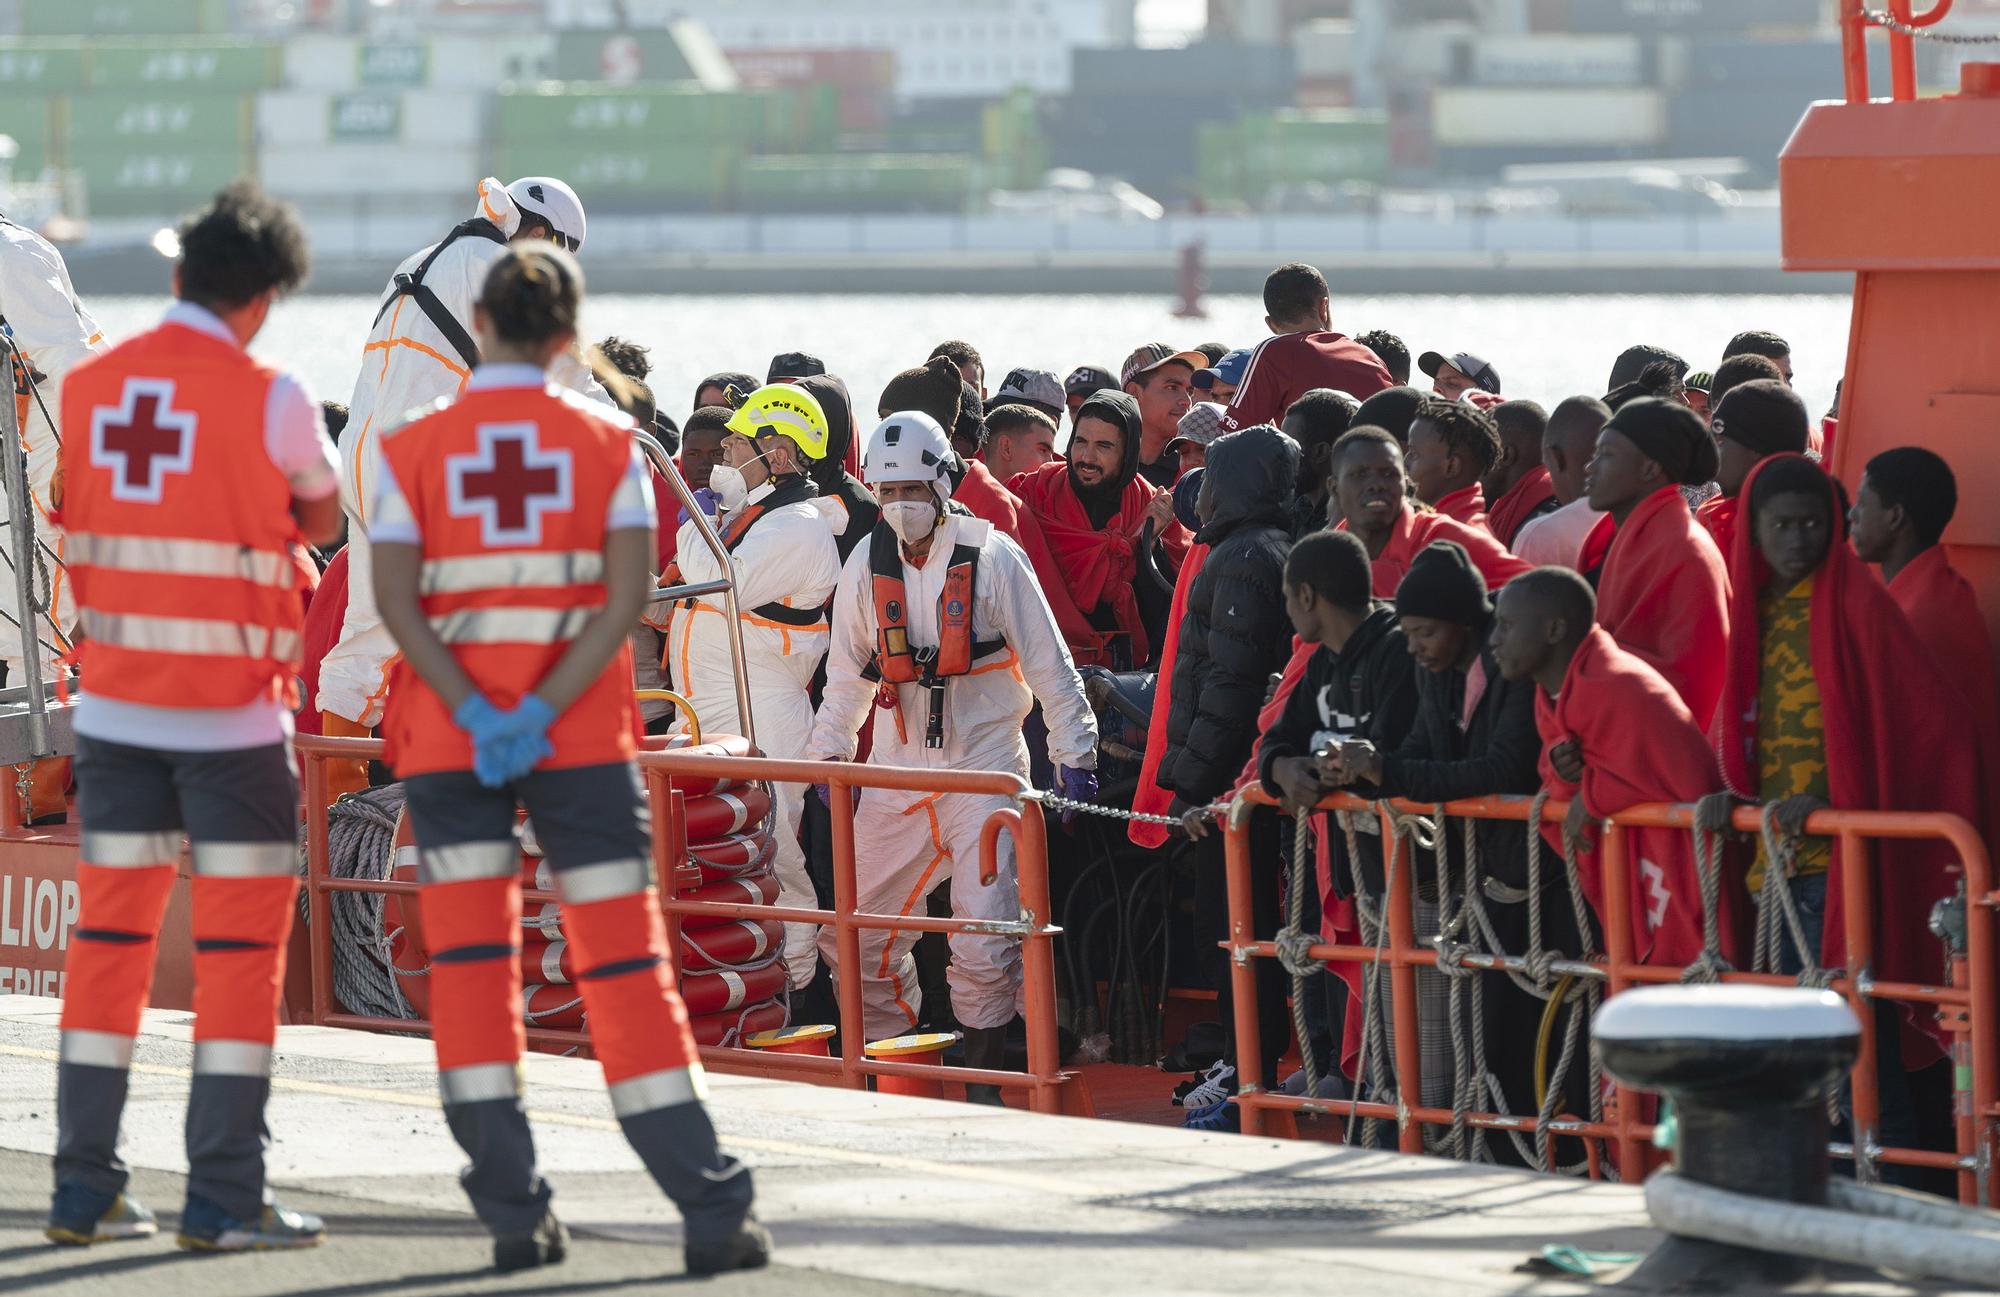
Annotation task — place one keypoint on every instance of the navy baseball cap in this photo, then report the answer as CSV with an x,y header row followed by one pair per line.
x,y
1483,375
1228,371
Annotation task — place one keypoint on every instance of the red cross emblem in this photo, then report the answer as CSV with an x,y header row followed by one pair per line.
x,y
142,440
509,483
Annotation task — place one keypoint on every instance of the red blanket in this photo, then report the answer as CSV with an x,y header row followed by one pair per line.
x,y
1718,517
1149,798
321,632
1892,744
1466,505
1944,612
1640,744
1664,595
1512,510
1083,566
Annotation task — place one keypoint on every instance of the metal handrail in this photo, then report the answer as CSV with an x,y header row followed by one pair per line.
x,y
21,548
1045,1080
1968,1006
664,465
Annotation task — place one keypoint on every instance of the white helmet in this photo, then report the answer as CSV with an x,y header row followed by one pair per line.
x,y
908,446
553,201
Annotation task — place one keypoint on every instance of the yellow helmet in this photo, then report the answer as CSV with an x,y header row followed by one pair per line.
x,y
784,410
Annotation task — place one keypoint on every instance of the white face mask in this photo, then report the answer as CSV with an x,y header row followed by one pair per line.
x,y
911,520
726,480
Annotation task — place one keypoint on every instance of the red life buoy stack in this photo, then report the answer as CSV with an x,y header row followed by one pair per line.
x,y
731,971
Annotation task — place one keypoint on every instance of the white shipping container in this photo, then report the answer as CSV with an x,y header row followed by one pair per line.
x,y
489,60
1429,52
1323,50
323,63
443,119
1549,60
1482,115
477,62
368,169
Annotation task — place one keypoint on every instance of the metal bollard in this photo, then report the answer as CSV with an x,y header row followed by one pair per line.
x,y
1747,1069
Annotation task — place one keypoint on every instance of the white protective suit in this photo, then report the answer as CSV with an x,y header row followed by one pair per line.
x,y
40,309
787,557
407,365
902,840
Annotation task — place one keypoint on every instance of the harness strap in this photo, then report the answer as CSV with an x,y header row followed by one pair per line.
x,y
411,284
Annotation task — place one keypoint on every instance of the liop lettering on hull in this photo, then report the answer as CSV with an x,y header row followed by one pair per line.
x,y
36,915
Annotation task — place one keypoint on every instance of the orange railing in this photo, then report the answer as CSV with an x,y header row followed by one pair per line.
x,y
1856,19
1048,1086
1966,1007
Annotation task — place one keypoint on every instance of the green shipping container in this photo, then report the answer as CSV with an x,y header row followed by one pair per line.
x,y
212,123
555,112
50,67
690,177
1301,147
30,123
149,180
185,65
867,182
123,17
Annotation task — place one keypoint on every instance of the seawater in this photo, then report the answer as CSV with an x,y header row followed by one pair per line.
x,y
1544,347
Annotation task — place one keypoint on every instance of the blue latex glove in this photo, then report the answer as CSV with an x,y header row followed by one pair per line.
x,y
1077,786
706,500
486,726
526,741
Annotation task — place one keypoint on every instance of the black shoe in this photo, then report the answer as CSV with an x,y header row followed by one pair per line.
x,y
749,1248
546,1244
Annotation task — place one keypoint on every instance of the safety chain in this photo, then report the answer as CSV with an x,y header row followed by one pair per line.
x,y
1056,801
1884,19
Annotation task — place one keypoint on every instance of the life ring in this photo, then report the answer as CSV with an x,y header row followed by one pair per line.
x,y
729,1028
719,745
554,1004
754,889
727,811
730,946
410,965
727,857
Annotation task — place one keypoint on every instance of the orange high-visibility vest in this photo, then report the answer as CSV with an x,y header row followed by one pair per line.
x,y
510,488
178,527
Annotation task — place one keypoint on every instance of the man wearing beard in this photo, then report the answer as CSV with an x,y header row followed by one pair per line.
x,y
1100,518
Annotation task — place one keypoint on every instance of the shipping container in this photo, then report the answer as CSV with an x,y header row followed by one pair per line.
x,y
663,175
1653,17
303,118
30,123
468,62
562,112
1743,123
1261,72
1323,50
1607,60
1430,53
862,82
149,179
212,123
124,17
879,182
44,67
1813,68
623,57
368,167
1546,118
217,66
1291,148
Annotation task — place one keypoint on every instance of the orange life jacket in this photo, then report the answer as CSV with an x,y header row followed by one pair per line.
x,y
178,527
895,661
510,488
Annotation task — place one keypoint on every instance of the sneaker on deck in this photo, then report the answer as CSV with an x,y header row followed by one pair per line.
x,y
546,1244
80,1216
1222,1117
205,1227
1212,1086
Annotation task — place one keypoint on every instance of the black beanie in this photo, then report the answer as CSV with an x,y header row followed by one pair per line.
x,y
934,388
1391,410
1443,584
1764,415
1669,434
1633,360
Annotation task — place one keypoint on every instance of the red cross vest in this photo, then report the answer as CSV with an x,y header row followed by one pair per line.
x,y
178,527
510,488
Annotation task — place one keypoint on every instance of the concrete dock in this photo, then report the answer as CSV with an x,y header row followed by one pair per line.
x,y
864,1193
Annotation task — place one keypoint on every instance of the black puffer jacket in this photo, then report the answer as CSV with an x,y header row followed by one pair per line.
x,y
1234,633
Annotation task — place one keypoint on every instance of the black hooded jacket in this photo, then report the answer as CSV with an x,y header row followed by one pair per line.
x,y
1100,502
1234,633
829,473
1495,753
